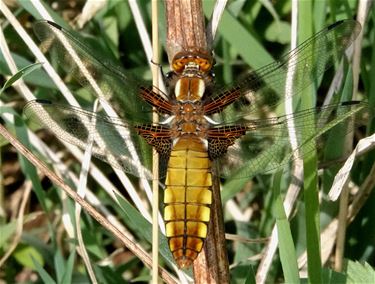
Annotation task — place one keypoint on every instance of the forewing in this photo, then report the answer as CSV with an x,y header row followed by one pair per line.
x,y
114,140
266,145
93,72
267,86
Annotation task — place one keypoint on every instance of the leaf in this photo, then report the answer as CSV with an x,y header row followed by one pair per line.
x,y
38,78
143,227
278,32
330,276
360,272
250,278
26,255
23,72
241,40
286,245
67,278
43,273
7,231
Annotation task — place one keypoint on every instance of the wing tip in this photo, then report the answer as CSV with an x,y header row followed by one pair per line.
x,y
356,26
48,22
54,24
349,103
43,101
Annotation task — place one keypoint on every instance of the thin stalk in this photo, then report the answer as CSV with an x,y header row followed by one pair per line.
x,y
186,29
363,8
155,160
311,193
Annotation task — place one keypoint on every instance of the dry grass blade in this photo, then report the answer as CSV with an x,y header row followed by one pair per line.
x,y
363,8
20,221
155,160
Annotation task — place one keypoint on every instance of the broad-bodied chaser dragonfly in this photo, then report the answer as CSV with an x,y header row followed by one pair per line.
x,y
201,124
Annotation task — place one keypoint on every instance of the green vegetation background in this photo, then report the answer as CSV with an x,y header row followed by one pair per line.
x,y
251,34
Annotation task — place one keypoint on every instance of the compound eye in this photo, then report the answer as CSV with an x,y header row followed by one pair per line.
x,y
177,65
204,65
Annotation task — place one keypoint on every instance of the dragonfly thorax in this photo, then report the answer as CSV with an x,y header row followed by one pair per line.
x,y
189,118
189,88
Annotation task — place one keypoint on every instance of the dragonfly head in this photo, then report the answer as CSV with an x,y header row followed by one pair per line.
x,y
184,62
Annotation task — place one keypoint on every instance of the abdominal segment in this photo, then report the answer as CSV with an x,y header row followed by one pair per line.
x,y
187,198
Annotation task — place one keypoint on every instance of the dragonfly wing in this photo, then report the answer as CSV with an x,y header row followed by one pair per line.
x,y
91,70
267,86
266,146
113,138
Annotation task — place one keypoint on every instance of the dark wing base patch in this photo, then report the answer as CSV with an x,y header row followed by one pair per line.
x,y
220,138
158,137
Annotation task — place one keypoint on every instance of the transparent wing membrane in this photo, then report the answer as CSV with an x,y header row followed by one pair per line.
x,y
266,87
254,145
266,145
77,126
96,74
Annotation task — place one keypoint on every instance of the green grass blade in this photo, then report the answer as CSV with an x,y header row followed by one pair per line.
x,y
68,273
43,273
143,227
241,39
288,256
311,197
22,73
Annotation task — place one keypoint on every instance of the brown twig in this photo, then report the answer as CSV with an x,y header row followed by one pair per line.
x,y
133,247
185,27
186,32
212,265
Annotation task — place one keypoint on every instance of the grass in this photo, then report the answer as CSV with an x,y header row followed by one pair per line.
x,y
250,35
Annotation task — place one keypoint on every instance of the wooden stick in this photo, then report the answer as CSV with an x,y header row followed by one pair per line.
x,y
155,160
212,265
186,32
185,27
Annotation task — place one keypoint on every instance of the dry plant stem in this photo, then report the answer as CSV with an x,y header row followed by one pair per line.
x,y
237,238
20,219
362,14
363,8
185,27
90,9
213,24
82,188
134,248
186,32
362,196
341,230
155,160
212,266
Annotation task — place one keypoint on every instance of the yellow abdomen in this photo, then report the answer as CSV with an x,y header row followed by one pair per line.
x,y
187,198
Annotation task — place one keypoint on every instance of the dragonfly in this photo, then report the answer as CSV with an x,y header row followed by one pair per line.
x,y
202,126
